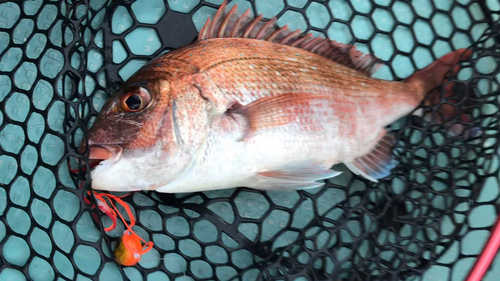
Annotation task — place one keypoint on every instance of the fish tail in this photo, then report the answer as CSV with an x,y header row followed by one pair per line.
x,y
448,98
433,75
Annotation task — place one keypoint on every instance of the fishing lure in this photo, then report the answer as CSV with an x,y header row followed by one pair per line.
x,y
130,246
129,250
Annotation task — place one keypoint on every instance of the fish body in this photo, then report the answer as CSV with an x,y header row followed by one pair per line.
x,y
240,107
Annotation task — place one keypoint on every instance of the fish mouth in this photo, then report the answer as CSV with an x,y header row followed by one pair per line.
x,y
98,154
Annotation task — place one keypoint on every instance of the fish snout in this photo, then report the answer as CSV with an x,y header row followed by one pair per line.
x,y
105,152
101,152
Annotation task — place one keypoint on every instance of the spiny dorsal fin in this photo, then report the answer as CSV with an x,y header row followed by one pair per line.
x,y
229,24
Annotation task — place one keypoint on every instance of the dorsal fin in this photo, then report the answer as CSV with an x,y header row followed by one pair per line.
x,y
230,24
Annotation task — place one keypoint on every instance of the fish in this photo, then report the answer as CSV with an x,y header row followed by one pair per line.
x,y
251,104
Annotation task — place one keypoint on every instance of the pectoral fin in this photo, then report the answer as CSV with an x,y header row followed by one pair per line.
x,y
280,110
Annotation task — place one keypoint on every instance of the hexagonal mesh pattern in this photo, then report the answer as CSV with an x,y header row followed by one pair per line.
x,y
60,60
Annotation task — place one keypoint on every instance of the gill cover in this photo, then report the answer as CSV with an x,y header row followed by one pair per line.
x,y
191,117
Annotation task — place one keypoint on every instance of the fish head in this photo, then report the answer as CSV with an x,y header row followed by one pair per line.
x,y
121,119
146,133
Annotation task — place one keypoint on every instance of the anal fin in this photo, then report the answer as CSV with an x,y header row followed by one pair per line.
x,y
293,177
378,163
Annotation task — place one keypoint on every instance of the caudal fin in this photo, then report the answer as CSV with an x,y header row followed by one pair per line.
x,y
434,74
448,98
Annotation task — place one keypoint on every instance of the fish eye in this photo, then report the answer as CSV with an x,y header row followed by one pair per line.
x,y
135,100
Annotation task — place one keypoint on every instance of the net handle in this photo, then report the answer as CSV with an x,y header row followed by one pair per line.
x,y
487,255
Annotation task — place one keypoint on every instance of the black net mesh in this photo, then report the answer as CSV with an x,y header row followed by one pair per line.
x,y
60,60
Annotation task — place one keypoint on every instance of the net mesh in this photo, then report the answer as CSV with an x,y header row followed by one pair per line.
x,y
60,61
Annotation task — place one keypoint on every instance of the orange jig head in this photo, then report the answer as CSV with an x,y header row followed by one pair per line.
x,y
130,249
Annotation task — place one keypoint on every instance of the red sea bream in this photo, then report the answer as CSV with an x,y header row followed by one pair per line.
x,y
255,105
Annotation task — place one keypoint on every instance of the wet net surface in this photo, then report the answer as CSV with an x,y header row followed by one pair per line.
x,y
59,62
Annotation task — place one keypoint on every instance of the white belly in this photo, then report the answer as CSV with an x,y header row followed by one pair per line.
x,y
229,163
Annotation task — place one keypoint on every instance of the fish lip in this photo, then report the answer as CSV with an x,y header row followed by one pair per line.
x,y
105,152
99,153
111,154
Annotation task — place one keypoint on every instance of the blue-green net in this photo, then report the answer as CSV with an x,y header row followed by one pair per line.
x,y
60,61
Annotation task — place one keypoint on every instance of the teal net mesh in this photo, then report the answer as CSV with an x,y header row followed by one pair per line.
x,y
61,60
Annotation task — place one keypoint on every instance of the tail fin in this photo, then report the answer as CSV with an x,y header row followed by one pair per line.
x,y
451,98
